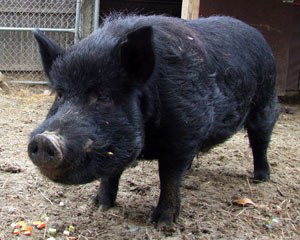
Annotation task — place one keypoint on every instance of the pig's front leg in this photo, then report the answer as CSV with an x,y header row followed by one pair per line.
x,y
107,192
170,174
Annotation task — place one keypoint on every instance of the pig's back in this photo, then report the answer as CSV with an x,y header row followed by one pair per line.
x,y
209,73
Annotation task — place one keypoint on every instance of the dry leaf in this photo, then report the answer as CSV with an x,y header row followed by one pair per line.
x,y
244,202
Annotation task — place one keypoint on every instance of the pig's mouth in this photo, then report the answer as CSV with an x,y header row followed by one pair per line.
x,y
70,176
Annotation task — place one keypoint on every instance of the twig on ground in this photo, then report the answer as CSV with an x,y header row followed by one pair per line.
x,y
249,186
114,215
4,184
45,197
279,191
280,204
240,212
45,233
295,229
82,236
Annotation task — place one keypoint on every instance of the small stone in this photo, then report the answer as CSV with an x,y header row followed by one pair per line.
x,y
9,209
47,92
133,228
4,86
60,194
51,238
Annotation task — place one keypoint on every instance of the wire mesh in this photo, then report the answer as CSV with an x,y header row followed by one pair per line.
x,y
19,58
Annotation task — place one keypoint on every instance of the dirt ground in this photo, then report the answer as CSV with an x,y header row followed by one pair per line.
x,y
208,191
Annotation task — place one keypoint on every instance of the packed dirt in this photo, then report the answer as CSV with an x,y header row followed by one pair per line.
x,y
208,191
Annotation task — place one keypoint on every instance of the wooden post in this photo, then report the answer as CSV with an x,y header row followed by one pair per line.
x,y
87,11
190,9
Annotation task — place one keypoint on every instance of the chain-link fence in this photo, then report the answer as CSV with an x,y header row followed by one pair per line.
x,y
19,58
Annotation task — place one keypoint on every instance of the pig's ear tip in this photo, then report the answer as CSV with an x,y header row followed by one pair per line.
x,y
37,32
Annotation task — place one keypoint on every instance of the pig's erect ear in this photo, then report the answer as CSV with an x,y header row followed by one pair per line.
x,y
49,50
137,55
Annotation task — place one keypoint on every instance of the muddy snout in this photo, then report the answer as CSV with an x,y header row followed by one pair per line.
x,y
45,150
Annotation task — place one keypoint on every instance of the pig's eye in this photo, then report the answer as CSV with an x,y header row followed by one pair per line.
x,y
104,99
101,100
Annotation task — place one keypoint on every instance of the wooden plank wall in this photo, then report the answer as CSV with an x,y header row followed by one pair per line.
x,y
167,7
293,77
190,9
272,17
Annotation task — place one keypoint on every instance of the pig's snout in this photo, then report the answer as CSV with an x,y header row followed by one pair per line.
x,y
45,150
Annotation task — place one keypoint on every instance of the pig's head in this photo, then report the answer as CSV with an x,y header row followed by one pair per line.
x,y
94,127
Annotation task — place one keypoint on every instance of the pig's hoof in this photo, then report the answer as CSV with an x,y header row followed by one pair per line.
x,y
261,176
103,203
104,208
164,217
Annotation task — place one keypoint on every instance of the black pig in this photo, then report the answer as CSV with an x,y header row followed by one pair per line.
x,y
154,87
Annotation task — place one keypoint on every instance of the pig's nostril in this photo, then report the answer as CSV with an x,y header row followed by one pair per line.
x,y
50,152
34,149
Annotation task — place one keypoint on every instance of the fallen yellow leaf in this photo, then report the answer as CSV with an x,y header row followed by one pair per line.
x,y
244,202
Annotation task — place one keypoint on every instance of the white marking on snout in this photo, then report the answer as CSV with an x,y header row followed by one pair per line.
x,y
57,140
88,144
